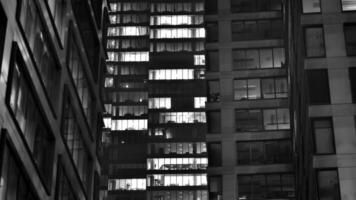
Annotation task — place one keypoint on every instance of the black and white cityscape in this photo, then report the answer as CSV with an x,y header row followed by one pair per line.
x,y
177,99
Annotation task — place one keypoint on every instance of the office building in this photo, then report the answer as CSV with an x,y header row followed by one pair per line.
x,y
155,95
249,136
322,56
51,57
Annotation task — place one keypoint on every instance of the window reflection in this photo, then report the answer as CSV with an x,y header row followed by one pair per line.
x,y
267,119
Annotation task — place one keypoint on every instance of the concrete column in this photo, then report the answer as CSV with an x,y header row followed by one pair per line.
x,y
340,89
229,186
345,134
334,40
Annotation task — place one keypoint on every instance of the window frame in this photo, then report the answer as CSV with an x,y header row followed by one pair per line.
x,y
53,23
318,183
16,57
53,105
5,142
3,30
259,49
67,97
313,119
61,173
328,102
305,42
352,24
263,162
262,124
353,86
73,38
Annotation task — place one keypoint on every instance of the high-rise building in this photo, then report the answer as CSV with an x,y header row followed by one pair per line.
x,y
323,77
51,57
249,136
155,96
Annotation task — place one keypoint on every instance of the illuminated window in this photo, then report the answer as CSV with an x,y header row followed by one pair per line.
x,y
199,59
159,103
112,44
199,102
258,58
128,124
128,56
176,20
167,180
169,33
171,74
127,184
348,5
107,123
177,163
182,117
177,148
109,82
128,31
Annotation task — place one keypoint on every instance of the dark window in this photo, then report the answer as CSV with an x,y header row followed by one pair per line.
x,y
30,119
238,6
82,14
75,143
214,121
266,119
215,187
264,152
212,32
248,120
328,184
318,84
352,72
42,52
213,60
258,58
311,6
265,186
81,82
64,189
211,6
314,41
214,154
257,30
350,32
323,135
214,91
3,24
14,183
348,5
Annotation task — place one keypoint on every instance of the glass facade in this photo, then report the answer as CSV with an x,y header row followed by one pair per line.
x,y
155,95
